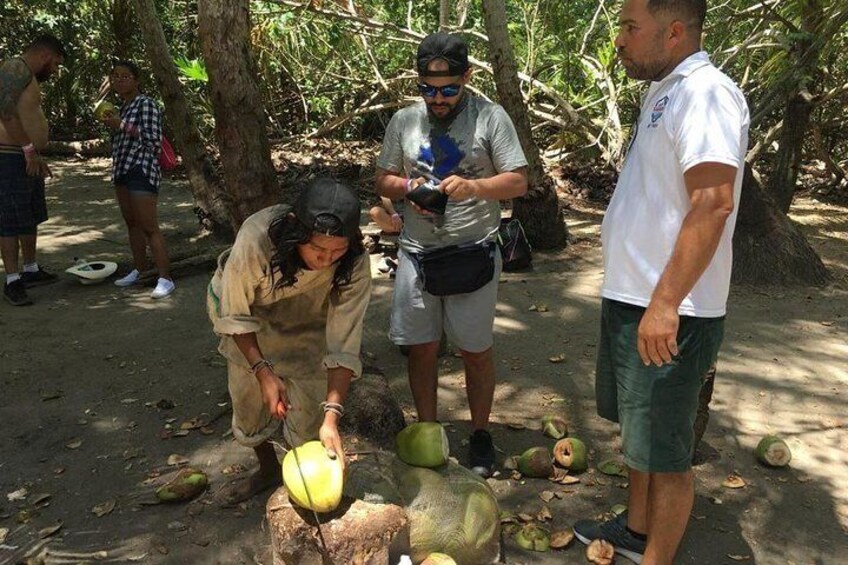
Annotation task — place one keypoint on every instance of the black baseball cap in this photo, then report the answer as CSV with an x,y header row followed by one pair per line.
x,y
327,196
451,48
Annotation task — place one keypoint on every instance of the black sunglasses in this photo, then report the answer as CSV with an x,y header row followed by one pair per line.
x,y
447,91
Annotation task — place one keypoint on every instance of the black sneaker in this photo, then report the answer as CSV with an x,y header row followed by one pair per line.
x,y
615,532
15,294
481,453
38,278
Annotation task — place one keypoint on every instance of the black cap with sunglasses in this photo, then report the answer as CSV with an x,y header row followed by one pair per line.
x,y
451,48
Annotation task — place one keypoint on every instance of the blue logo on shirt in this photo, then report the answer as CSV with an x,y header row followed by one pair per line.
x,y
443,155
659,108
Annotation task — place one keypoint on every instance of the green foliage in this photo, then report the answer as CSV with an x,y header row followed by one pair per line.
x,y
314,68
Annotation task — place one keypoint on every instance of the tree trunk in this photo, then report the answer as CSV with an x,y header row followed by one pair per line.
x,y
224,30
799,107
210,199
768,249
539,211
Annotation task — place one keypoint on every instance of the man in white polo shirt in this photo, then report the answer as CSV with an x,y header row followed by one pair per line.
x,y
667,239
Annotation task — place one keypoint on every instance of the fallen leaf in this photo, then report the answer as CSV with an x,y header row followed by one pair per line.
x,y
569,480
544,514
24,516
524,517
827,323
207,430
547,496
41,498
739,557
733,481
562,539
105,508
19,494
181,433
3,533
74,443
233,469
51,395
129,400
176,459
49,530
557,358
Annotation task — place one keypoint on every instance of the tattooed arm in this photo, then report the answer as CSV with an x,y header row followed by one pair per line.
x,y
15,77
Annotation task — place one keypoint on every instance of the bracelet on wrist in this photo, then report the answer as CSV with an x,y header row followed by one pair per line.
x,y
29,149
333,407
259,365
409,182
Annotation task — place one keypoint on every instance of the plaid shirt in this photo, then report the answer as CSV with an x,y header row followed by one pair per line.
x,y
128,151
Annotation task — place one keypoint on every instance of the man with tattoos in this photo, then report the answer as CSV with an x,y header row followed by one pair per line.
x,y
23,134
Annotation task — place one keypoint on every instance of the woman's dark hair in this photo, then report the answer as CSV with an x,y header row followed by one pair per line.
x,y
129,65
287,232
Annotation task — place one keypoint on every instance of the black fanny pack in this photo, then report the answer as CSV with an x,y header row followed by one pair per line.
x,y
458,269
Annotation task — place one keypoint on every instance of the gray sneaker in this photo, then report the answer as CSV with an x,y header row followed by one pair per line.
x,y
615,532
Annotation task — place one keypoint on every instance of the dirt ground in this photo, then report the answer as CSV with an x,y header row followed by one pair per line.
x,y
84,368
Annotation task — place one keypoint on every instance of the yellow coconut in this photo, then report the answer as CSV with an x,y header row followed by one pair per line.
x,y
322,476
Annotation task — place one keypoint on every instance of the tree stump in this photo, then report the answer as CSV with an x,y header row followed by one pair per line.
x,y
357,533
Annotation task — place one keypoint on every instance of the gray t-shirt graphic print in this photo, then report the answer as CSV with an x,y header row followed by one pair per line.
x,y
479,142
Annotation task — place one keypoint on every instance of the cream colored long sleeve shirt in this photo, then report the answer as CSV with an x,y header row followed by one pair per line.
x,y
303,322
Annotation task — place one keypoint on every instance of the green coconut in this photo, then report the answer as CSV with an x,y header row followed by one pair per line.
x,y
555,427
423,444
438,559
103,108
570,453
314,480
533,538
536,462
774,452
187,484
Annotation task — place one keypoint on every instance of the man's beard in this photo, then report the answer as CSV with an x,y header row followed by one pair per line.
x,y
453,110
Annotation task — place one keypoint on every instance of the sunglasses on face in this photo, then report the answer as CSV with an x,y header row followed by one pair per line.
x,y
447,91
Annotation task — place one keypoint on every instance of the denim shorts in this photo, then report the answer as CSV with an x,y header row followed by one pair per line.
x,y
135,181
656,406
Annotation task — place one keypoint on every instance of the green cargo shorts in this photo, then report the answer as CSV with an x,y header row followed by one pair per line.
x,y
656,406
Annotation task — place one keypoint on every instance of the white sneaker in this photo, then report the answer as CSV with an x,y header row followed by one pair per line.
x,y
164,287
129,279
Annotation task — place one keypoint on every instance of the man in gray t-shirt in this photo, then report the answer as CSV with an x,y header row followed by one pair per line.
x,y
468,149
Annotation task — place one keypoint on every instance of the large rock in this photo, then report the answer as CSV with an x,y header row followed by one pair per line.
x,y
357,533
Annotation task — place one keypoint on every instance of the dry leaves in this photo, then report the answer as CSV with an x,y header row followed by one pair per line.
x,y
734,482
19,494
562,539
177,459
74,443
557,358
547,496
49,530
105,508
544,514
